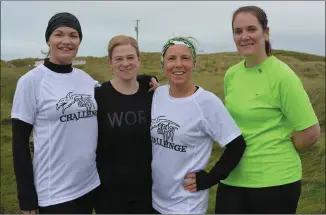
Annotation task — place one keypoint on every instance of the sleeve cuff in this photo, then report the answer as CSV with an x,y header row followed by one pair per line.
x,y
202,180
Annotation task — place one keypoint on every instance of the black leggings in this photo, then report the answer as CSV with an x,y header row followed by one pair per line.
x,y
81,205
270,200
109,201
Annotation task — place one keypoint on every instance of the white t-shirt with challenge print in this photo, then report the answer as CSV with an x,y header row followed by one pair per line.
x,y
62,109
183,131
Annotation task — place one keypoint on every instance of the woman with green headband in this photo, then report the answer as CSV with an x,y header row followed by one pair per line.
x,y
186,119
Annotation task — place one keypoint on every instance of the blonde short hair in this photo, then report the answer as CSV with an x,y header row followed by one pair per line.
x,y
122,40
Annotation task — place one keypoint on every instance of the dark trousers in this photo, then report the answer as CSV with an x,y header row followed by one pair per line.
x,y
270,200
110,201
81,205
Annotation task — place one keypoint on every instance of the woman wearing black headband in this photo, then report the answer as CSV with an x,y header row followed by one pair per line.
x,y
57,102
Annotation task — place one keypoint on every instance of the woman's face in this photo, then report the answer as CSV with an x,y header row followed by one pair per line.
x,y
64,44
249,35
178,64
124,62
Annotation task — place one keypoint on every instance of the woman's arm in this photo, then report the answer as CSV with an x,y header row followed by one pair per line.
x,y
222,168
306,137
23,167
23,114
221,127
297,108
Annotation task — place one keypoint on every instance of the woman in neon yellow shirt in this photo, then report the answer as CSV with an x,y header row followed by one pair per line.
x,y
267,101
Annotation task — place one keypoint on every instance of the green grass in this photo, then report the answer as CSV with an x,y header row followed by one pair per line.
x,y
310,68
9,203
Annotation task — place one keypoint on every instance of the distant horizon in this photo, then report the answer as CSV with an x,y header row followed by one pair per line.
x,y
198,53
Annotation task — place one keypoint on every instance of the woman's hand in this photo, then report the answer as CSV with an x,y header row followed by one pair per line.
x,y
190,184
153,84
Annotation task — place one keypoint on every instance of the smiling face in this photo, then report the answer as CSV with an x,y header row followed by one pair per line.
x,y
64,43
125,62
249,35
178,64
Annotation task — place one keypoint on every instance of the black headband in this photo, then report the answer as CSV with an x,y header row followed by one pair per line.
x,y
60,20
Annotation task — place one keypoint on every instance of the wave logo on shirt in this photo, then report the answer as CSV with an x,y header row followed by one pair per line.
x,y
165,127
82,100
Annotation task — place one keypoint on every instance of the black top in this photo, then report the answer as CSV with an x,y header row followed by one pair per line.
x,y
124,151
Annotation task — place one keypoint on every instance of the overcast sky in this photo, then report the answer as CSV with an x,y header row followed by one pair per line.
x,y
297,26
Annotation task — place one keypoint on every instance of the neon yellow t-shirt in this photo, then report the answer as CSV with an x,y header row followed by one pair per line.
x,y
267,102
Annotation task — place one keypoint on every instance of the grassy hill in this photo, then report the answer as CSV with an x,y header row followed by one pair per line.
x,y
310,68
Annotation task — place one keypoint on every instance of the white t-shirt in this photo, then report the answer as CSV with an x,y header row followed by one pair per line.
x,y
183,130
62,109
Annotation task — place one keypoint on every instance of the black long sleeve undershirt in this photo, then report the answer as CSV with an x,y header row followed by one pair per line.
x,y
23,166
224,166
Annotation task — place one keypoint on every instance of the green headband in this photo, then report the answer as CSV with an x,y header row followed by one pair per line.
x,y
178,41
